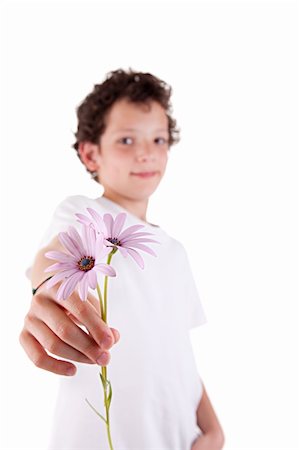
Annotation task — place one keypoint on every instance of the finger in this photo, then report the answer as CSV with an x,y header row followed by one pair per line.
x,y
77,322
85,313
41,359
94,302
45,336
115,334
55,318
88,314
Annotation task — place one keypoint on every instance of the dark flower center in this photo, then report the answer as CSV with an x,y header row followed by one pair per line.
x,y
114,241
86,263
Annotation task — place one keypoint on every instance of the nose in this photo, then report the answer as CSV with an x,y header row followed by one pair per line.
x,y
145,152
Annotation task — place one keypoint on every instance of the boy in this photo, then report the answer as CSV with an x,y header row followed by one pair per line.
x,y
125,130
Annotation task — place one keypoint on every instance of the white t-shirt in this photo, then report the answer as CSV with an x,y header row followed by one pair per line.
x,y
155,383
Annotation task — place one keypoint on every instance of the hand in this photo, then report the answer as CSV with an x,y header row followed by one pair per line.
x,y
208,441
55,326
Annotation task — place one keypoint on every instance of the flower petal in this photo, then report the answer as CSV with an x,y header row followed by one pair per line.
x,y
92,279
108,219
59,256
60,266
89,239
106,269
76,238
118,224
68,243
101,250
83,219
142,233
67,288
138,240
135,255
128,231
60,276
145,248
123,251
83,287
97,221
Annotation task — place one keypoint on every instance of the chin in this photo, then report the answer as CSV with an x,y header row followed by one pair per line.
x,y
142,194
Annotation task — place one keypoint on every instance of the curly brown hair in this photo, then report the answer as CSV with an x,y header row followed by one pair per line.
x,y
137,87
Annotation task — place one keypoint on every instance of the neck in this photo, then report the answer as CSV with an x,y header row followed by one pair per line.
x,y
136,207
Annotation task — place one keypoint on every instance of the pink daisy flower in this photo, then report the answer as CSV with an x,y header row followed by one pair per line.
x,y
126,241
79,265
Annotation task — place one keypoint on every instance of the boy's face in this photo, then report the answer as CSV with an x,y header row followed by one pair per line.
x,y
133,150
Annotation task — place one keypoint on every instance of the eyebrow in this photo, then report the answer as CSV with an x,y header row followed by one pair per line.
x,y
135,129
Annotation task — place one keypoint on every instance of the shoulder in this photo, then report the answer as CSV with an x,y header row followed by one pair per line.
x,y
174,248
78,203
178,248
65,212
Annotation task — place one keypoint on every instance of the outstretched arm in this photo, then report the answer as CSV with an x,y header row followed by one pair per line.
x,y
55,326
212,437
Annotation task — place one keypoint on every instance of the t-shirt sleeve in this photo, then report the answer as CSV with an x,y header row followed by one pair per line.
x,y
195,315
63,217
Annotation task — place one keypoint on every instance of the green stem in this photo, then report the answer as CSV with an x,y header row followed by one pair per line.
x,y
108,422
106,286
101,301
103,310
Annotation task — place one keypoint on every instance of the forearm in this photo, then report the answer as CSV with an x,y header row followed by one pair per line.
x,y
207,419
38,273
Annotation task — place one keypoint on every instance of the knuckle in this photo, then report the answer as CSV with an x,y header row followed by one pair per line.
x,y
94,302
52,345
38,360
28,320
37,300
63,330
22,338
91,349
79,309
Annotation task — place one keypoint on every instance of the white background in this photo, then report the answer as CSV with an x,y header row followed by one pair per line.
x,y
230,193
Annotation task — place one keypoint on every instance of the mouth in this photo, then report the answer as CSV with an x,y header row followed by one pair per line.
x,y
145,174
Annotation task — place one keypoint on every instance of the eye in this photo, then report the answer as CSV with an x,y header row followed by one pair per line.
x,y
161,140
126,141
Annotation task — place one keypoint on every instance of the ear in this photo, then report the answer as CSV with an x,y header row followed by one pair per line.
x,y
89,154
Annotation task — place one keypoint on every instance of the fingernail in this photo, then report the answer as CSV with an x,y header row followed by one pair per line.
x,y
107,341
103,359
116,334
71,371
